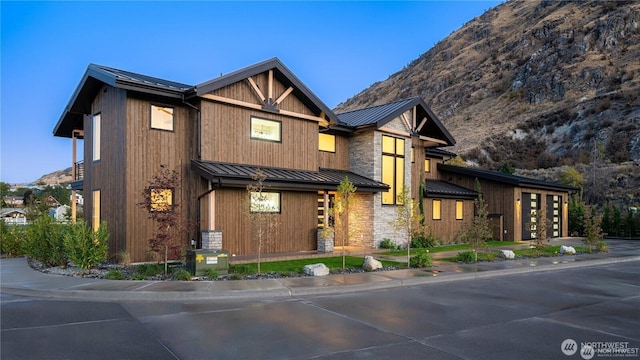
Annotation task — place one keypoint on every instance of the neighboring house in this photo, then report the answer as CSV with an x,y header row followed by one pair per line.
x,y
14,201
218,133
13,216
60,213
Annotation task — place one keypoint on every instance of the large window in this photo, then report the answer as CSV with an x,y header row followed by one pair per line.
x,y
161,199
437,206
95,210
97,119
459,210
161,117
265,202
327,142
392,169
263,129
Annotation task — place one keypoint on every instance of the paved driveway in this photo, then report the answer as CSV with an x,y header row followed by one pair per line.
x,y
522,316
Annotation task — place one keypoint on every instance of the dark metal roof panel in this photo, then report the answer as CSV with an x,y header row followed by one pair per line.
x,y
229,174
143,80
439,152
438,188
504,178
376,114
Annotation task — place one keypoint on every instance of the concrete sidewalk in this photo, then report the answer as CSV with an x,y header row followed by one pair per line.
x,y
17,278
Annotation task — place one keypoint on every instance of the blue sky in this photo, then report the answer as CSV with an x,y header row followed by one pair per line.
x,y
336,48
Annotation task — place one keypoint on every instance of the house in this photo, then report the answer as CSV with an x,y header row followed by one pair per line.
x,y
59,213
14,216
217,134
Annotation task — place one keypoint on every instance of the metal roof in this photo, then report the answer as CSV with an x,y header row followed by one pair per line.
x,y
380,115
281,73
504,178
438,152
239,175
443,189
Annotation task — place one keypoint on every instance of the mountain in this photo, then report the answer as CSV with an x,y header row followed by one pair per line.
x,y
535,84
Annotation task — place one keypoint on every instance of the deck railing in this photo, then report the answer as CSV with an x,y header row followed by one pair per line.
x,y
79,166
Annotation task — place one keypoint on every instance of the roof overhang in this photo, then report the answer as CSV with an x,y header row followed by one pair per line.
x,y
238,175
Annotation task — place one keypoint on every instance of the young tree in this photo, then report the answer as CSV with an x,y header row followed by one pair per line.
x,y
261,214
539,227
479,231
408,219
592,230
158,201
342,208
576,216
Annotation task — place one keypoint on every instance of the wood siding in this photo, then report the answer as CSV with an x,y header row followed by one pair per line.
x,y
339,159
296,224
447,228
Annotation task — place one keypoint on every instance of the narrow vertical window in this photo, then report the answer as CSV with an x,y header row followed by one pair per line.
x,y
95,210
427,165
161,117
392,169
459,210
97,119
436,209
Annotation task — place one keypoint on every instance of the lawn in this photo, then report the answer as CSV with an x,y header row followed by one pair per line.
x,y
527,253
297,266
454,247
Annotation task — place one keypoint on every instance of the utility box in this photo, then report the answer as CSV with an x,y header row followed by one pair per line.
x,y
201,260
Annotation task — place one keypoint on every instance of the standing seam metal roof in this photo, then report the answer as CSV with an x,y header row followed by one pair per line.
x,y
373,115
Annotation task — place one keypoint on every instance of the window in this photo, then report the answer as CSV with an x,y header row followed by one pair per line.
x,y
392,169
459,210
95,210
437,204
268,130
161,117
161,199
413,159
327,142
427,165
265,202
97,119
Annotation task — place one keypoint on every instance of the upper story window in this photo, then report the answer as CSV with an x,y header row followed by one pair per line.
x,y
427,165
96,123
161,117
263,129
327,142
392,169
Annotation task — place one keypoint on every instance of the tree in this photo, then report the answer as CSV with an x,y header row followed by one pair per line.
x,y
574,178
592,230
158,201
408,219
507,169
576,216
479,231
342,208
539,227
261,215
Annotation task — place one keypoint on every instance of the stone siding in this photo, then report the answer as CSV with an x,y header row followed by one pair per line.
x,y
212,240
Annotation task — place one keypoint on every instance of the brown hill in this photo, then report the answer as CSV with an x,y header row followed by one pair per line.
x,y
535,84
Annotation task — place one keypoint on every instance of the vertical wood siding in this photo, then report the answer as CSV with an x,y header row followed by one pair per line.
x,y
339,159
447,228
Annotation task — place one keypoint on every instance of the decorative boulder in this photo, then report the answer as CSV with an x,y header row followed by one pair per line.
x,y
507,254
316,270
567,250
371,264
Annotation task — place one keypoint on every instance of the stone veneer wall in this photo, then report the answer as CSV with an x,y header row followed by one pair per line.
x,y
365,158
361,222
212,240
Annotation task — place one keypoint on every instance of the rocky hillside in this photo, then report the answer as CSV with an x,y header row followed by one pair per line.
x,y
536,84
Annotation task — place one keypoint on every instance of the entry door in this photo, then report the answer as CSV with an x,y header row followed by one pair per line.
x,y
530,204
554,216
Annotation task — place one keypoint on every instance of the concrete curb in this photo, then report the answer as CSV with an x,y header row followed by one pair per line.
x,y
279,288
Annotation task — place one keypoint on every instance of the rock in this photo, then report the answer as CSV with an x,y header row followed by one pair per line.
x,y
316,270
567,250
371,264
507,254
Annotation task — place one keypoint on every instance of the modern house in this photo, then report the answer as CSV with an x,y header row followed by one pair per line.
x,y
217,134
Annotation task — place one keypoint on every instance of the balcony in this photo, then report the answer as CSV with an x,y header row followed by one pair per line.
x,y
77,174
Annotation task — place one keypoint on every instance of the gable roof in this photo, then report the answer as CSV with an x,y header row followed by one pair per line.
x,y
443,189
239,175
380,115
508,179
94,78
281,73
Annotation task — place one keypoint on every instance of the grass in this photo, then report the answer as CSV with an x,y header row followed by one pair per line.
x,y
527,253
297,266
453,247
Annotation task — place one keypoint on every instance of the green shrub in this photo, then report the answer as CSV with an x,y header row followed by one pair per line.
x,y
466,257
139,277
114,275
44,241
423,242
602,246
387,244
85,247
11,240
421,260
242,269
211,274
148,270
181,275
